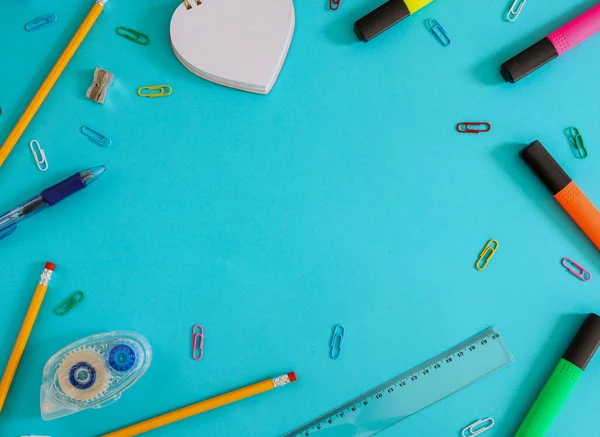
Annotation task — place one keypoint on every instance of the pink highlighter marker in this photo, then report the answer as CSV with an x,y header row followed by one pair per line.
x,y
554,45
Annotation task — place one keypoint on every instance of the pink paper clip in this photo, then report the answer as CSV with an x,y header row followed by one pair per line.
x,y
579,271
197,342
334,4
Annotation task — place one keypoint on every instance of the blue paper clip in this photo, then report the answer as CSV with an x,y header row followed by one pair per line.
x,y
38,23
337,342
96,136
439,32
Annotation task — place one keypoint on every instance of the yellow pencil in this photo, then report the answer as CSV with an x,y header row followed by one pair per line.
x,y
201,407
46,87
17,352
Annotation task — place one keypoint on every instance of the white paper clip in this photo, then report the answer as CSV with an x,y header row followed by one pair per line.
x,y
478,427
514,14
40,159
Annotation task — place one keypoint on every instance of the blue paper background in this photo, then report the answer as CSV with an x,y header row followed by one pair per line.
x,y
344,196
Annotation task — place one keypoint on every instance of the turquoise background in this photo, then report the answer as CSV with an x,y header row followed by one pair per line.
x,y
344,196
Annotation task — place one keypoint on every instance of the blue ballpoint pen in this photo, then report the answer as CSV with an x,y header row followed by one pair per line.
x,y
49,197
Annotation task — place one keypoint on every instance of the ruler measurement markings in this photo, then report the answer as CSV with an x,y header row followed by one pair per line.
x,y
395,385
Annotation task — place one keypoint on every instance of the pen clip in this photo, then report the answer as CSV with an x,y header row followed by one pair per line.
x,y
8,229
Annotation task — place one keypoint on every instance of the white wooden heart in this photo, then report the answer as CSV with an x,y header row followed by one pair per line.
x,y
237,43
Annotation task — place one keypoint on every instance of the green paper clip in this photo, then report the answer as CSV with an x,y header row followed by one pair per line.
x,y
578,142
133,35
70,303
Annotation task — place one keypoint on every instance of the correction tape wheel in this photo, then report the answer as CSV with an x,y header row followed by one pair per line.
x,y
122,358
83,376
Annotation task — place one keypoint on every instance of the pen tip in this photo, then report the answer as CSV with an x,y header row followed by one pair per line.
x,y
98,170
90,175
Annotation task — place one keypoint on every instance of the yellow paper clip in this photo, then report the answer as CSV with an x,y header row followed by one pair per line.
x,y
486,254
163,91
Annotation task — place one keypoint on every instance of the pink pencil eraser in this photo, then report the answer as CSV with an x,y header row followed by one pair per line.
x,y
50,266
292,376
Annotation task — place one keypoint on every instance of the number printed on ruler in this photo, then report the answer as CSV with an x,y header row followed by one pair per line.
x,y
413,390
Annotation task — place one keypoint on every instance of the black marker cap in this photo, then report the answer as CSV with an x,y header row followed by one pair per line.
x,y
584,345
381,19
528,60
545,167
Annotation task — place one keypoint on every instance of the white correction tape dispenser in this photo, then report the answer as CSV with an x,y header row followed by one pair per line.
x,y
93,372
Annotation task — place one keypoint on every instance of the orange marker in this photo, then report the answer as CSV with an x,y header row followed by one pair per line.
x,y
564,190
19,348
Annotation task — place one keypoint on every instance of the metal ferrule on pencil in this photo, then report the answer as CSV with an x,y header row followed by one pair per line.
x,y
45,277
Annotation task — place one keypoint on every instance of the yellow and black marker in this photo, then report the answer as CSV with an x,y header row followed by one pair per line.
x,y
385,16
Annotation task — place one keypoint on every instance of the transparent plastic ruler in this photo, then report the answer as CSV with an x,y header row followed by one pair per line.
x,y
413,390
